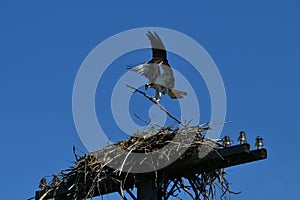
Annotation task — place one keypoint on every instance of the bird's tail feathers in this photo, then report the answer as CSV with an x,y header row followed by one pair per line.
x,y
176,94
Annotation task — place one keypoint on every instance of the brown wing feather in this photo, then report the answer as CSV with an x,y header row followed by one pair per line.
x,y
159,52
149,70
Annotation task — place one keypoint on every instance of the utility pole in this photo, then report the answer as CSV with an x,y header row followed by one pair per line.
x,y
147,188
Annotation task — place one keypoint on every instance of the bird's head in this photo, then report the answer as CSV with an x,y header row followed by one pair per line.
x,y
148,85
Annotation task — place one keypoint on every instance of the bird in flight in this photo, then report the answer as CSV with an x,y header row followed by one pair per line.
x,y
160,80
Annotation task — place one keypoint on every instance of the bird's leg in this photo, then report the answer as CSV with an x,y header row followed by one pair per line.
x,y
158,94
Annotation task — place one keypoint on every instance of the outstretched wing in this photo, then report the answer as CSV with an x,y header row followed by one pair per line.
x,y
159,56
159,53
150,70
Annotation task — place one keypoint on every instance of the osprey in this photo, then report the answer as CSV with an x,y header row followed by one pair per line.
x,y
161,81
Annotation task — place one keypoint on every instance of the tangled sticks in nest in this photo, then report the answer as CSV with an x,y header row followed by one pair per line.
x,y
115,167
154,149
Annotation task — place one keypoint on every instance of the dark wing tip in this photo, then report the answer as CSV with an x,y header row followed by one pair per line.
x,y
155,40
158,38
158,49
150,35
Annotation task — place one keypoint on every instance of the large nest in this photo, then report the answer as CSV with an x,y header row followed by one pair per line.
x,y
118,167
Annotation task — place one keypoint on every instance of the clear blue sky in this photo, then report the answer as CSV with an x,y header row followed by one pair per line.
x,y
255,44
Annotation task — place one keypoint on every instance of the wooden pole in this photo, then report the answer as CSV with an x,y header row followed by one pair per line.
x,y
148,188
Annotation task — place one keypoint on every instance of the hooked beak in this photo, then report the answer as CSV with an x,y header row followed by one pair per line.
x,y
146,86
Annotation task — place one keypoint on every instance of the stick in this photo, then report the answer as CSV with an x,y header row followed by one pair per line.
x,y
156,102
45,194
121,168
146,122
